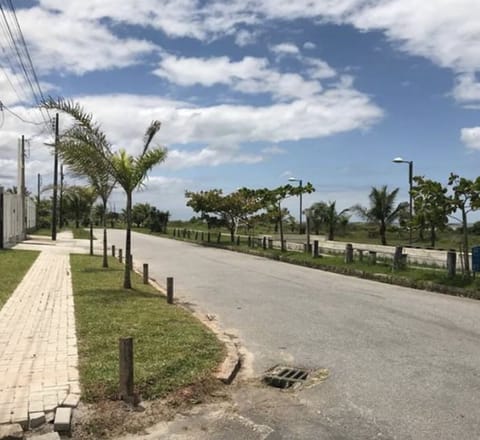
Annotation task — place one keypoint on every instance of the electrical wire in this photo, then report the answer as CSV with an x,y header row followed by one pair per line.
x,y
3,106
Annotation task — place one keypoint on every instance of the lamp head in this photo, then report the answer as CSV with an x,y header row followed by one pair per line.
x,y
398,160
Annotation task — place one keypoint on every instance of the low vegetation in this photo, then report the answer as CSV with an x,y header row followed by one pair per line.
x,y
14,264
171,348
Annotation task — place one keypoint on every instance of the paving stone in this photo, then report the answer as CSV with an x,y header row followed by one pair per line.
x,y
48,436
72,400
11,432
63,417
36,419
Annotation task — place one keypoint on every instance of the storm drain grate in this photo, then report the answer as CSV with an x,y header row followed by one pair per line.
x,y
285,377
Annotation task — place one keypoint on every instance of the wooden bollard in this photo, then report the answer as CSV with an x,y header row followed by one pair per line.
x,y
315,249
208,237
451,263
360,255
264,242
196,235
219,237
202,236
113,250
372,257
145,273
120,255
238,240
270,243
126,369
349,253
398,260
174,232
170,290
249,241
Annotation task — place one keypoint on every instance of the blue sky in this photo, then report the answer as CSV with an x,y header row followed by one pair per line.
x,y
251,93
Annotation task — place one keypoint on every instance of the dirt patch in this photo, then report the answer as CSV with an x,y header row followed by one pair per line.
x,y
112,419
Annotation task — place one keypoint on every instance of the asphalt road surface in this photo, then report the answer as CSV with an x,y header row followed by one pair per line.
x,y
403,363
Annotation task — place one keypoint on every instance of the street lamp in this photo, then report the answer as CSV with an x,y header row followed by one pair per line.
x,y
294,179
410,181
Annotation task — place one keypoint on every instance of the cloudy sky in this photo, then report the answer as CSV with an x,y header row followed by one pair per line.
x,y
252,92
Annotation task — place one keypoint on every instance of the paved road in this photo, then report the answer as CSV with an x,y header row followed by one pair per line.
x,y
404,364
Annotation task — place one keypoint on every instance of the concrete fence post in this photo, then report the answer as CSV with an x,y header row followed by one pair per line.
x,y
145,273
315,249
451,263
170,290
349,253
126,369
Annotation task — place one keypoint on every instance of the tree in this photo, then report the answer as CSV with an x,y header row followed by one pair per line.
x,y
231,209
466,198
271,199
78,201
323,214
432,206
141,213
92,147
158,220
382,210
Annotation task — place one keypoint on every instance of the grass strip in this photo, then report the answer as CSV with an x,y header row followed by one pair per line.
x,y
14,264
81,233
171,348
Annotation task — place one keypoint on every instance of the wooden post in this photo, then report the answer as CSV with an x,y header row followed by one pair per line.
x,y
264,242
360,255
270,243
202,236
315,249
145,273
196,235
219,237
170,290
113,250
451,263
130,262
174,232
398,260
120,255
372,257
126,369
208,237
349,253
238,240
249,241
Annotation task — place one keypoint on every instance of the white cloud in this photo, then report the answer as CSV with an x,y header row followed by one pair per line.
x,y
68,43
285,49
467,89
471,137
249,75
245,38
309,45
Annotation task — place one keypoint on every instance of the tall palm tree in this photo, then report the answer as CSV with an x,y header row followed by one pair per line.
x,y
88,149
382,210
325,214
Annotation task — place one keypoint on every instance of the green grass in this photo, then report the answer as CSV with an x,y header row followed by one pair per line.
x,y
14,264
171,348
43,231
81,233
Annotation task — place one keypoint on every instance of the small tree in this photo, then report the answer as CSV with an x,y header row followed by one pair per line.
x,y
432,206
465,198
382,210
141,213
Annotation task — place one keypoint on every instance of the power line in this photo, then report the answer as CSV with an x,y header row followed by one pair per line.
x,y
3,106
19,48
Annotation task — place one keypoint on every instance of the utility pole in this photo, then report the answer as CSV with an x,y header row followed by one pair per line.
x,y
39,183
22,188
60,220
55,182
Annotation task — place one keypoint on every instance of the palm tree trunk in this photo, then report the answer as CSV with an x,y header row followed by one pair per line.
x,y
104,221
382,233
127,283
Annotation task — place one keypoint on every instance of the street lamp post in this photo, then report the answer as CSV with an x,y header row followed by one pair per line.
x,y
410,181
294,179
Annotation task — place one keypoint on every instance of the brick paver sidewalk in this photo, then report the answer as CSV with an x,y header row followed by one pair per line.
x,y
38,346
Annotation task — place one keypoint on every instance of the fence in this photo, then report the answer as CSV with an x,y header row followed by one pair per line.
x,y
12,228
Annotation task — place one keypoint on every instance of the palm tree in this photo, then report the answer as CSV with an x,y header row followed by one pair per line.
x,y
382,210
325,214
88,147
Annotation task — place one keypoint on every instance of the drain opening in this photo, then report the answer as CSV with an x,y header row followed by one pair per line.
x,y
285,377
